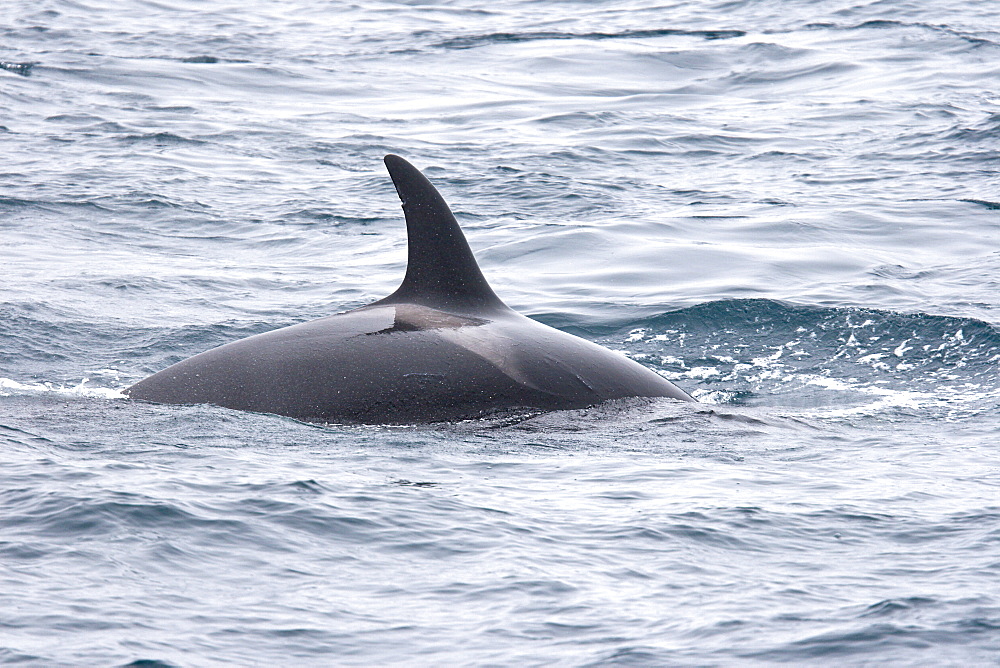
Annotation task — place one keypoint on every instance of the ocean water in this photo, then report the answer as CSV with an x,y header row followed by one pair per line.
x,y
790,209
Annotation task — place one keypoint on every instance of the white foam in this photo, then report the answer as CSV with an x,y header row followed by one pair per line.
x,y
10,387
636,335
702,372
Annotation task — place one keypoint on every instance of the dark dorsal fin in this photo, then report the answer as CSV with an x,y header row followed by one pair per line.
x,y
441,271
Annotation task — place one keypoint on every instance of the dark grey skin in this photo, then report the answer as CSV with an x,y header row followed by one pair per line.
x,y
442,347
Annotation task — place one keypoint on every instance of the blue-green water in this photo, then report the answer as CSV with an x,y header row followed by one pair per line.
x,y
792,210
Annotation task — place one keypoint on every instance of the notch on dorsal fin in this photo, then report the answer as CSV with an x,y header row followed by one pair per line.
x,y
441,271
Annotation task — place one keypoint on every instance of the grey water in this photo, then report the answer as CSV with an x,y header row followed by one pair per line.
x,y
790,209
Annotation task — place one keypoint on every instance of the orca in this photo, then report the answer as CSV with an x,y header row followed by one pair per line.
x,y
442,347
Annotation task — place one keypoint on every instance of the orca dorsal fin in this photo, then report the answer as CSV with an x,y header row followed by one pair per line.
x,y
441,271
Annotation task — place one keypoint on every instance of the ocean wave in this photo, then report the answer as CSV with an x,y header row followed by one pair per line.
x,y
889,24
768,352
472,41
23,69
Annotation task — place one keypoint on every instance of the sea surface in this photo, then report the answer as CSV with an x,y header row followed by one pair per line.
x,y
790,209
